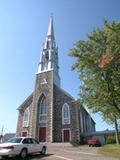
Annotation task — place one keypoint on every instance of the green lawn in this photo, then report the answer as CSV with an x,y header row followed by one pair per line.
x,y
111,150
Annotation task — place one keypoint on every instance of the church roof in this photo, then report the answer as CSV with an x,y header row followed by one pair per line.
x,y
66,93
27,102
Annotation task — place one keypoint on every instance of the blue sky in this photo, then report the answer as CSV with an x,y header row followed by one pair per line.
x,y
23,29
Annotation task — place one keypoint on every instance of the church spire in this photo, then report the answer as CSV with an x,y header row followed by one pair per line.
x,y
50,28
49,55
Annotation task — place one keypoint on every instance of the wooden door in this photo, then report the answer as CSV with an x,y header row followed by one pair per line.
x,y
24,134
66,134
42,134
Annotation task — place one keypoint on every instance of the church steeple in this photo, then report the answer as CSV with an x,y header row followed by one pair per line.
x,y
49,55
50,28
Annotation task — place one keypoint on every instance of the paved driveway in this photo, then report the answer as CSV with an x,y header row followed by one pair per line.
x,y
60,152
68,152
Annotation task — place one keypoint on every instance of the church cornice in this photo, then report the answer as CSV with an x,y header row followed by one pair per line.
x,y
49,70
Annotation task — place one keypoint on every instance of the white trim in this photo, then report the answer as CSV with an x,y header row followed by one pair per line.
x,y
63,134
44,71
44,81
63,119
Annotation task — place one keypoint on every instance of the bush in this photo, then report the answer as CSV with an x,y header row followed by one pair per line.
x,y
110,139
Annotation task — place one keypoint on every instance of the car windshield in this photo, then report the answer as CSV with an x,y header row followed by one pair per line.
x,y
14,140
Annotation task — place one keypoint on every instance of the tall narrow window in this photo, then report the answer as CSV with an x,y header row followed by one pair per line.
x,y
26,118
65,114
43,110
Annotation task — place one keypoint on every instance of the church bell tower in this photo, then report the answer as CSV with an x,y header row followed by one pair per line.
x,y
46,77
49,55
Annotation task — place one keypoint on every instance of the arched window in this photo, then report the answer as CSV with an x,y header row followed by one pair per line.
x,y
65,114
43,110
26,118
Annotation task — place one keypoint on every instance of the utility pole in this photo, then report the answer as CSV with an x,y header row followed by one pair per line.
x,y
1,135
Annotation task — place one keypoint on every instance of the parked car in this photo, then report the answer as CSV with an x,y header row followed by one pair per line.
x,y
21,146
93,142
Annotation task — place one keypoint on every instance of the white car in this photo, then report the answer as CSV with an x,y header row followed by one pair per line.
x,y
21,146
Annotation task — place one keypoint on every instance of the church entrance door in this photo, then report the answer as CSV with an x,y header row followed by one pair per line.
x,y
42,134
24,134
66,135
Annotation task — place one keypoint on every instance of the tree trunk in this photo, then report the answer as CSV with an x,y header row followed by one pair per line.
x,y
117,132
111,92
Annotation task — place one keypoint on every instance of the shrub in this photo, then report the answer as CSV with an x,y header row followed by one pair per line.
x,y
110,139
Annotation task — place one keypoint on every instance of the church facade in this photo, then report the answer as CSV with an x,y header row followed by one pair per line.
x,y
49,113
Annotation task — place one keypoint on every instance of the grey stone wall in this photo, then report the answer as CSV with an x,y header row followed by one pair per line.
x,y
56,98
88,125
60,98
75,126
20,127
19,123
47,90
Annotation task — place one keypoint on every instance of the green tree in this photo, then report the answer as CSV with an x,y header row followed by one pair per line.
x,y
98,66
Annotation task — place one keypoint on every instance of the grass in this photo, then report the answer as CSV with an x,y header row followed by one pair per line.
x,y
111,150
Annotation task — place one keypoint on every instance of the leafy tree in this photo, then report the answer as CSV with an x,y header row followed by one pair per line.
x,y
98,66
